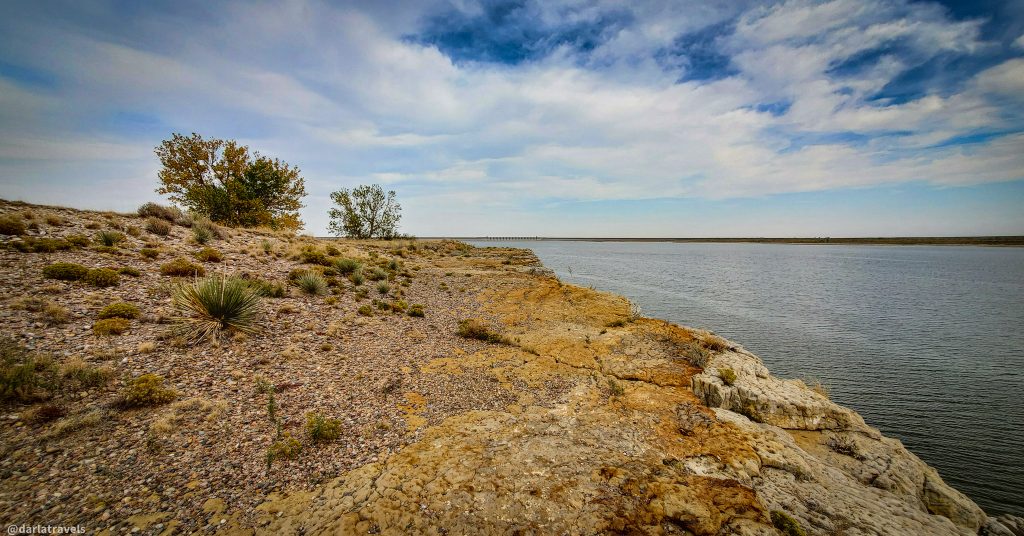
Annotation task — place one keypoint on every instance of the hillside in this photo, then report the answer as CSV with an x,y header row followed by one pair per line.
x,y
560,410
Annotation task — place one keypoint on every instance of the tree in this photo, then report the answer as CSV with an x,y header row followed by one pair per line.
x,y
225,182
365,212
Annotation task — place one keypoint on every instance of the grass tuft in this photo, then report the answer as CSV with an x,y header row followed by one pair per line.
x,y
102,277
146,390
321,429
311,283
111,326
209,305
182,268
65,271
119,310
109,238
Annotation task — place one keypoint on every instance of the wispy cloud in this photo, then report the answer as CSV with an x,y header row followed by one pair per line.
x,y
498,108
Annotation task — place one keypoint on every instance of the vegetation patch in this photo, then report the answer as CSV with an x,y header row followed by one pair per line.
x,y
321,429
311,283
786,524
209,255
416,310
182,268
346,266
111,326
12,225
158,226
727,375
109,238
65,271
146,390
209,305
149,253
119,310
475,329
102,277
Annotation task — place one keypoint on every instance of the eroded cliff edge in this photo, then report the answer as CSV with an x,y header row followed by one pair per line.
x,y
646,442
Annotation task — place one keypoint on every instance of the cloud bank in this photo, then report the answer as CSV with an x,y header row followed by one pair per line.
x,y
490,117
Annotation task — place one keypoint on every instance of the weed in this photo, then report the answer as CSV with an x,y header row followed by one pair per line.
x,y
55,314
266,289
322,429
158,226
285,448
12,225
347,266
149,253
109,238
365,310
182,268
356,277
416,310
727,375
145,390
377,274
129,271
312,283
383,288
77,240
204,230
209,255
615,388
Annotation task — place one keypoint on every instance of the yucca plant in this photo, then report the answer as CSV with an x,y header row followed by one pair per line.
x,y
109,238
211,304
312,283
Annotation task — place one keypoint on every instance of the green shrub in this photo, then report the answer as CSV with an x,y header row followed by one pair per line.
x,y
129,271
119,310
65,271
12,225
786,524
377,274
475,329
77,240
322,429
102,277
365,310
209,255
285,448
312,283
383,288
356,277
267,246
394,265
312,255
158,226
695,353
416,310
332,250
111,326
23,376
399,306
41,245
182,268
146,390
109,238
727,375
149,253
347,266
209,305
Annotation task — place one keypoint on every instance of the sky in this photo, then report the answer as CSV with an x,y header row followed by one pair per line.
x,y
549,118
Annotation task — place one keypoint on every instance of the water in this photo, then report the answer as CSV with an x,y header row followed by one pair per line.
x,y
926,342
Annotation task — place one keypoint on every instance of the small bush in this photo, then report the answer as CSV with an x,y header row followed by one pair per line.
x,y
23,376
12,225
383,288
207,306
41,245
111,326
716,343
416,310
65,271
727,375
332,250
285,448
347,266
209,255
182,268
146,390
377,274
312,283
696,354
322,429
55,314
312,255
204,230
356,278
365,310
149,253
102,277
786,524
77,240
109,238
266,289
129,271
76,374
119,310
399,306
158,226
475,329
267,246
153,210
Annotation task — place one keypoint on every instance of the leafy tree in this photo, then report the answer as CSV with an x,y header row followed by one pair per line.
x,y
365,212
226,182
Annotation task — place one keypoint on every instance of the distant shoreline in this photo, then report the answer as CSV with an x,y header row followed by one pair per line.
x,y
892,241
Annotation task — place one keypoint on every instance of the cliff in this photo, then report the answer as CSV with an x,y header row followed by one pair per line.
x,y
572,415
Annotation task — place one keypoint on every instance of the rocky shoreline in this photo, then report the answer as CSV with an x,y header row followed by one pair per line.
x,y
580,417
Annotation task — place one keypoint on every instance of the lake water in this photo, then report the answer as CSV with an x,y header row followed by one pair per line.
x,y
926,342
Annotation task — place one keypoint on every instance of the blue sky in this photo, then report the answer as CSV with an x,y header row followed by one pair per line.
x,y
557,118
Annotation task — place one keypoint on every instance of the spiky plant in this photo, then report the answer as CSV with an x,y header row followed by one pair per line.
x,y
211,304
109,238
312,283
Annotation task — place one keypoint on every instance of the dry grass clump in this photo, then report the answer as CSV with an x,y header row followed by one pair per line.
x,y
154,210
204,230
24,376
111,326
347,266
416,310
267,289
695,353
207,306
76,374
285,448
715,343
75,423
145,390
149,253
54,314
182,268
195,409
12,225
102,277
119,310
209,255
65,271
158,226
727,375
147,347
475,329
